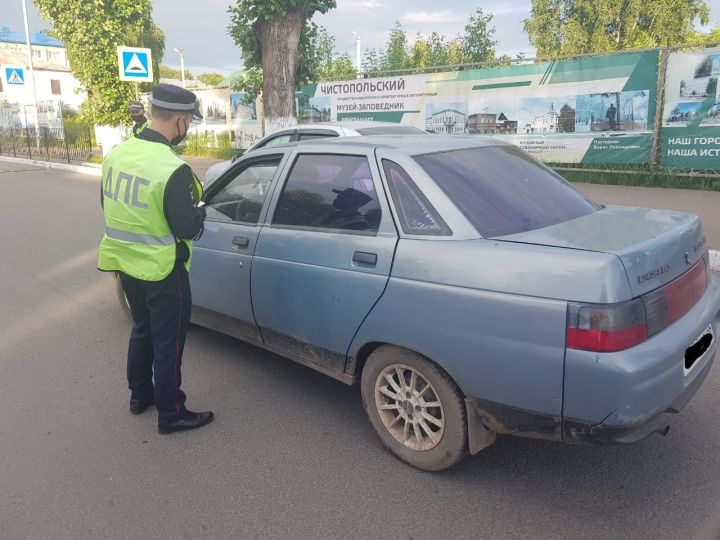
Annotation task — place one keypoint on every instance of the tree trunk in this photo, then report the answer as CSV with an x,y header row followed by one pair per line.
x,y
280,48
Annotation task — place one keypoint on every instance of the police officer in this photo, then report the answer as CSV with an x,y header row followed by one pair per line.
x,y
137,113
149,198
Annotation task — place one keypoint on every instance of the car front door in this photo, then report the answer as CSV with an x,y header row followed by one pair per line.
x,y
323,258
220,272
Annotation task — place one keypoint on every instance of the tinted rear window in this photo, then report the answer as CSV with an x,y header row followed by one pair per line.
x,y
390,130
501,190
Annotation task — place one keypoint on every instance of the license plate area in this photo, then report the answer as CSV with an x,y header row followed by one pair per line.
x,y
698,349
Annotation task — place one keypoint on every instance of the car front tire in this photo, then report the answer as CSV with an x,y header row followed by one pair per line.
x,y
415,408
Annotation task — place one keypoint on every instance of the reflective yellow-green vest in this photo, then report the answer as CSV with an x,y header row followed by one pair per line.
x,y
138,128
138,240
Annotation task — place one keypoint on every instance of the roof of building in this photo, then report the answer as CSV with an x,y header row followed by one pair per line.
x,y
19,58
36,38
449,111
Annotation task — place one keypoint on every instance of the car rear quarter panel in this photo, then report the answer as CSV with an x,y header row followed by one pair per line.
x,y
492,314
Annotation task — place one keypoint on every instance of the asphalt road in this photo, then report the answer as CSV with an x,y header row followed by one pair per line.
x,y
291,454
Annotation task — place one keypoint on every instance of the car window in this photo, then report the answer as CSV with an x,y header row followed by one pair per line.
x,y
242,198
502,190
416,214
308,136
326,191
280,139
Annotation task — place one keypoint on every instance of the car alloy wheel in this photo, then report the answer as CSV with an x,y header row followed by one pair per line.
x,y
409,407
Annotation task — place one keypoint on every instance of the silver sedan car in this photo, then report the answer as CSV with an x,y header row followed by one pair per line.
x,y
469,289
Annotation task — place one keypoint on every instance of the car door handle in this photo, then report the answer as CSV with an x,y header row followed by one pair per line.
x,y
240,242
361,257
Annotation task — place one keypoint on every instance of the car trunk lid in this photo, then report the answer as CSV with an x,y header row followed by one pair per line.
x,y
655,246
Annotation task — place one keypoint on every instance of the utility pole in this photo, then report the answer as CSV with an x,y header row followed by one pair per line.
x,y
180,51
358,60
32,73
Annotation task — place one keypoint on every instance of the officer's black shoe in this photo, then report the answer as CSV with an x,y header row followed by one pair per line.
x,y
191,420
139,406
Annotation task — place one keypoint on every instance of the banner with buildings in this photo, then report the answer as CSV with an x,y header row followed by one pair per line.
x,y
691,117
589,110
225,110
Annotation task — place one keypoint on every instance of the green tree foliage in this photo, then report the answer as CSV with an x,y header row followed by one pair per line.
x,y
709,38
92,31
557,27
250,82
270,33
211,79
373,60
476,44
166,72
326,62
396,50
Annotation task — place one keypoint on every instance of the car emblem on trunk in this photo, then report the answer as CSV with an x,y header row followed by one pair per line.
x,y
687,258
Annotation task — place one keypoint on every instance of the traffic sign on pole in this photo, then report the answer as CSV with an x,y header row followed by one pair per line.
x,y
135,64
14,75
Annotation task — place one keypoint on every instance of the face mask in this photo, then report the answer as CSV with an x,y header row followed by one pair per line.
x,y
181,135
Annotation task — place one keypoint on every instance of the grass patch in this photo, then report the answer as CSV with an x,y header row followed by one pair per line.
x,y
94,159
642,179
208,144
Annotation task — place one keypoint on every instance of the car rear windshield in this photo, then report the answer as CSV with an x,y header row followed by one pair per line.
x,y
390,130
501,190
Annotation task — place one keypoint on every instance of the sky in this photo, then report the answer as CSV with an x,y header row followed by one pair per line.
x,y
202,31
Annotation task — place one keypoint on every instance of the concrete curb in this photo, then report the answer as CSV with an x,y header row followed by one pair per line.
x,y
88,169
715,260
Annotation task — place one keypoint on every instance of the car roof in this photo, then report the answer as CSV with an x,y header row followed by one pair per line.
x,y
350,124
411,145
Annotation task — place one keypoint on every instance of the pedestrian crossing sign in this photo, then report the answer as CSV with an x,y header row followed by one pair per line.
x,y
15,75
135,64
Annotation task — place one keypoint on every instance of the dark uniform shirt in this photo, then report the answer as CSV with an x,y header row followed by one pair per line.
x,y
138,125
181,211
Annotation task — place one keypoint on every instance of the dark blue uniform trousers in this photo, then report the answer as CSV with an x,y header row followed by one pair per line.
x,y
161,315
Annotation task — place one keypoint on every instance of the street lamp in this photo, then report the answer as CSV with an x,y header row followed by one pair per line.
x,y
357,51
32,73
180,51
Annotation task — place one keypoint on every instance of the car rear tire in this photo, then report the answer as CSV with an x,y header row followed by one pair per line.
x,y
415,408
124,304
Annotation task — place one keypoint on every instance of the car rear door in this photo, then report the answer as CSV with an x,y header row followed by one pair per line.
x,y
323,258
220,271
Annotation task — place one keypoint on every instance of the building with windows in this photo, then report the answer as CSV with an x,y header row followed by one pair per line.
x,y
506,126
546,123
54,82
54,85
44,48
446,121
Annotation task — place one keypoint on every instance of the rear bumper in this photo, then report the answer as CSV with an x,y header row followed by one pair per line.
x,y
608,434
619,398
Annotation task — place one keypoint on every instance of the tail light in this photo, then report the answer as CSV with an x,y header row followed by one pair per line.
x,y
606,328
615,327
